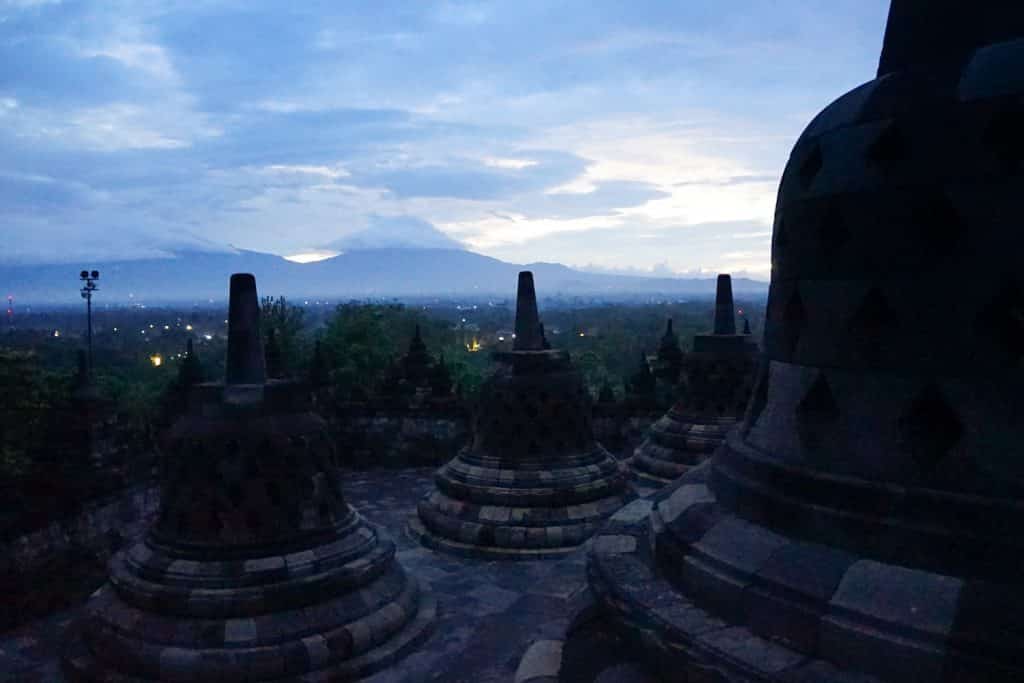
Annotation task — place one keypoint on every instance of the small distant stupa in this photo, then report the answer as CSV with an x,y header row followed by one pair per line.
x,y
534,483
720,373
670,356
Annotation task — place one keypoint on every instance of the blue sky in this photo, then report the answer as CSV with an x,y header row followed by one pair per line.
x,y
617,135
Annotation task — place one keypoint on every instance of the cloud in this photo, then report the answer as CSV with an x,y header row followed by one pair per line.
x,y
476,180
583,132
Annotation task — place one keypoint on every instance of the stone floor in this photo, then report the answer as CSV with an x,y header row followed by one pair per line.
x,y
490,613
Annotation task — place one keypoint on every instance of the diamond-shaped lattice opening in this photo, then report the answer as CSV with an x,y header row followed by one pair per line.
x,y
874,315
811,166
234,493
794,320
1004,136
833,232
1003,320
253,520
816,412
939,225
890,146
873,319
818,405
274,492
929,428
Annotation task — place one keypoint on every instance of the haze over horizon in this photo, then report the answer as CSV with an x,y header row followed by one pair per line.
x,y
627,137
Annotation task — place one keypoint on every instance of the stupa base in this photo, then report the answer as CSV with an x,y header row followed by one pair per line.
x,y
707,596
677,443
492,532
425,537
79,663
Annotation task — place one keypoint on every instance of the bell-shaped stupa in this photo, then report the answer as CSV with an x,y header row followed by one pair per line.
x,y
864,521
534,482
720,374
256,569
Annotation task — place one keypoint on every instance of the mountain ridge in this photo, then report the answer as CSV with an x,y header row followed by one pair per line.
x,y
409,272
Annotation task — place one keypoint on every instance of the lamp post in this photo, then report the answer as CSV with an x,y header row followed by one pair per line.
x,y
89,279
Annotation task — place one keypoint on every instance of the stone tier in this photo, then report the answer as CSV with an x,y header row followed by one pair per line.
x,y
534,483
706,593
333,612
720,376
527,510
256,569
677,442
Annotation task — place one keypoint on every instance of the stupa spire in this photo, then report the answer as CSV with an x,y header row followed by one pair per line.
x,y
245,362
725,318
937,33
528,332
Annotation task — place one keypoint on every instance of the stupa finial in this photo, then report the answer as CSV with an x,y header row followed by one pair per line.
x,y
245,364
725,318
929,33
528,332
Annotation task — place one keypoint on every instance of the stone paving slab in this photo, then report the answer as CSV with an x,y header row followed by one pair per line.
x,y
489,612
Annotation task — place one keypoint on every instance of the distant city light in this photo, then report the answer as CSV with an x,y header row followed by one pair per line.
x,y
473,346
188,327
207,337
151,326
56,333
115,329
501,338
156,360
583,334
167,327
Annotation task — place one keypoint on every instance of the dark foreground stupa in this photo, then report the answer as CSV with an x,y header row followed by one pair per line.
x,y
534,483
864,521
256,569
720,372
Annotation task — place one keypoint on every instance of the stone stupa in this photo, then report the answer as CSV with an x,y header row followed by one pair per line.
x,y
256,569
863,523
720,373
534,483
670,356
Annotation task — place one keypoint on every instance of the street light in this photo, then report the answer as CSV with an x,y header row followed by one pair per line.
x,y
89,279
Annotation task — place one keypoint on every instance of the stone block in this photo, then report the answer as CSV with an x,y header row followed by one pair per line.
x,y
542,659
615,545
681,500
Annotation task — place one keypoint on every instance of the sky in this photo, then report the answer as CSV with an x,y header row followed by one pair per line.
x,y
630,136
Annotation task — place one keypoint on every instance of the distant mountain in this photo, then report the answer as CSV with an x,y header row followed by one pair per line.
x,y
404,232
365,273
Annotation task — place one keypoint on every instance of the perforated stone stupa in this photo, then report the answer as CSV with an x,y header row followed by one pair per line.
x,y
720,374
256,569
864,521
534,482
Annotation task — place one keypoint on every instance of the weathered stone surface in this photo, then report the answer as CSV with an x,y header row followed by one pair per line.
x,y
719,379
862,514
534,483
257,567
543,659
